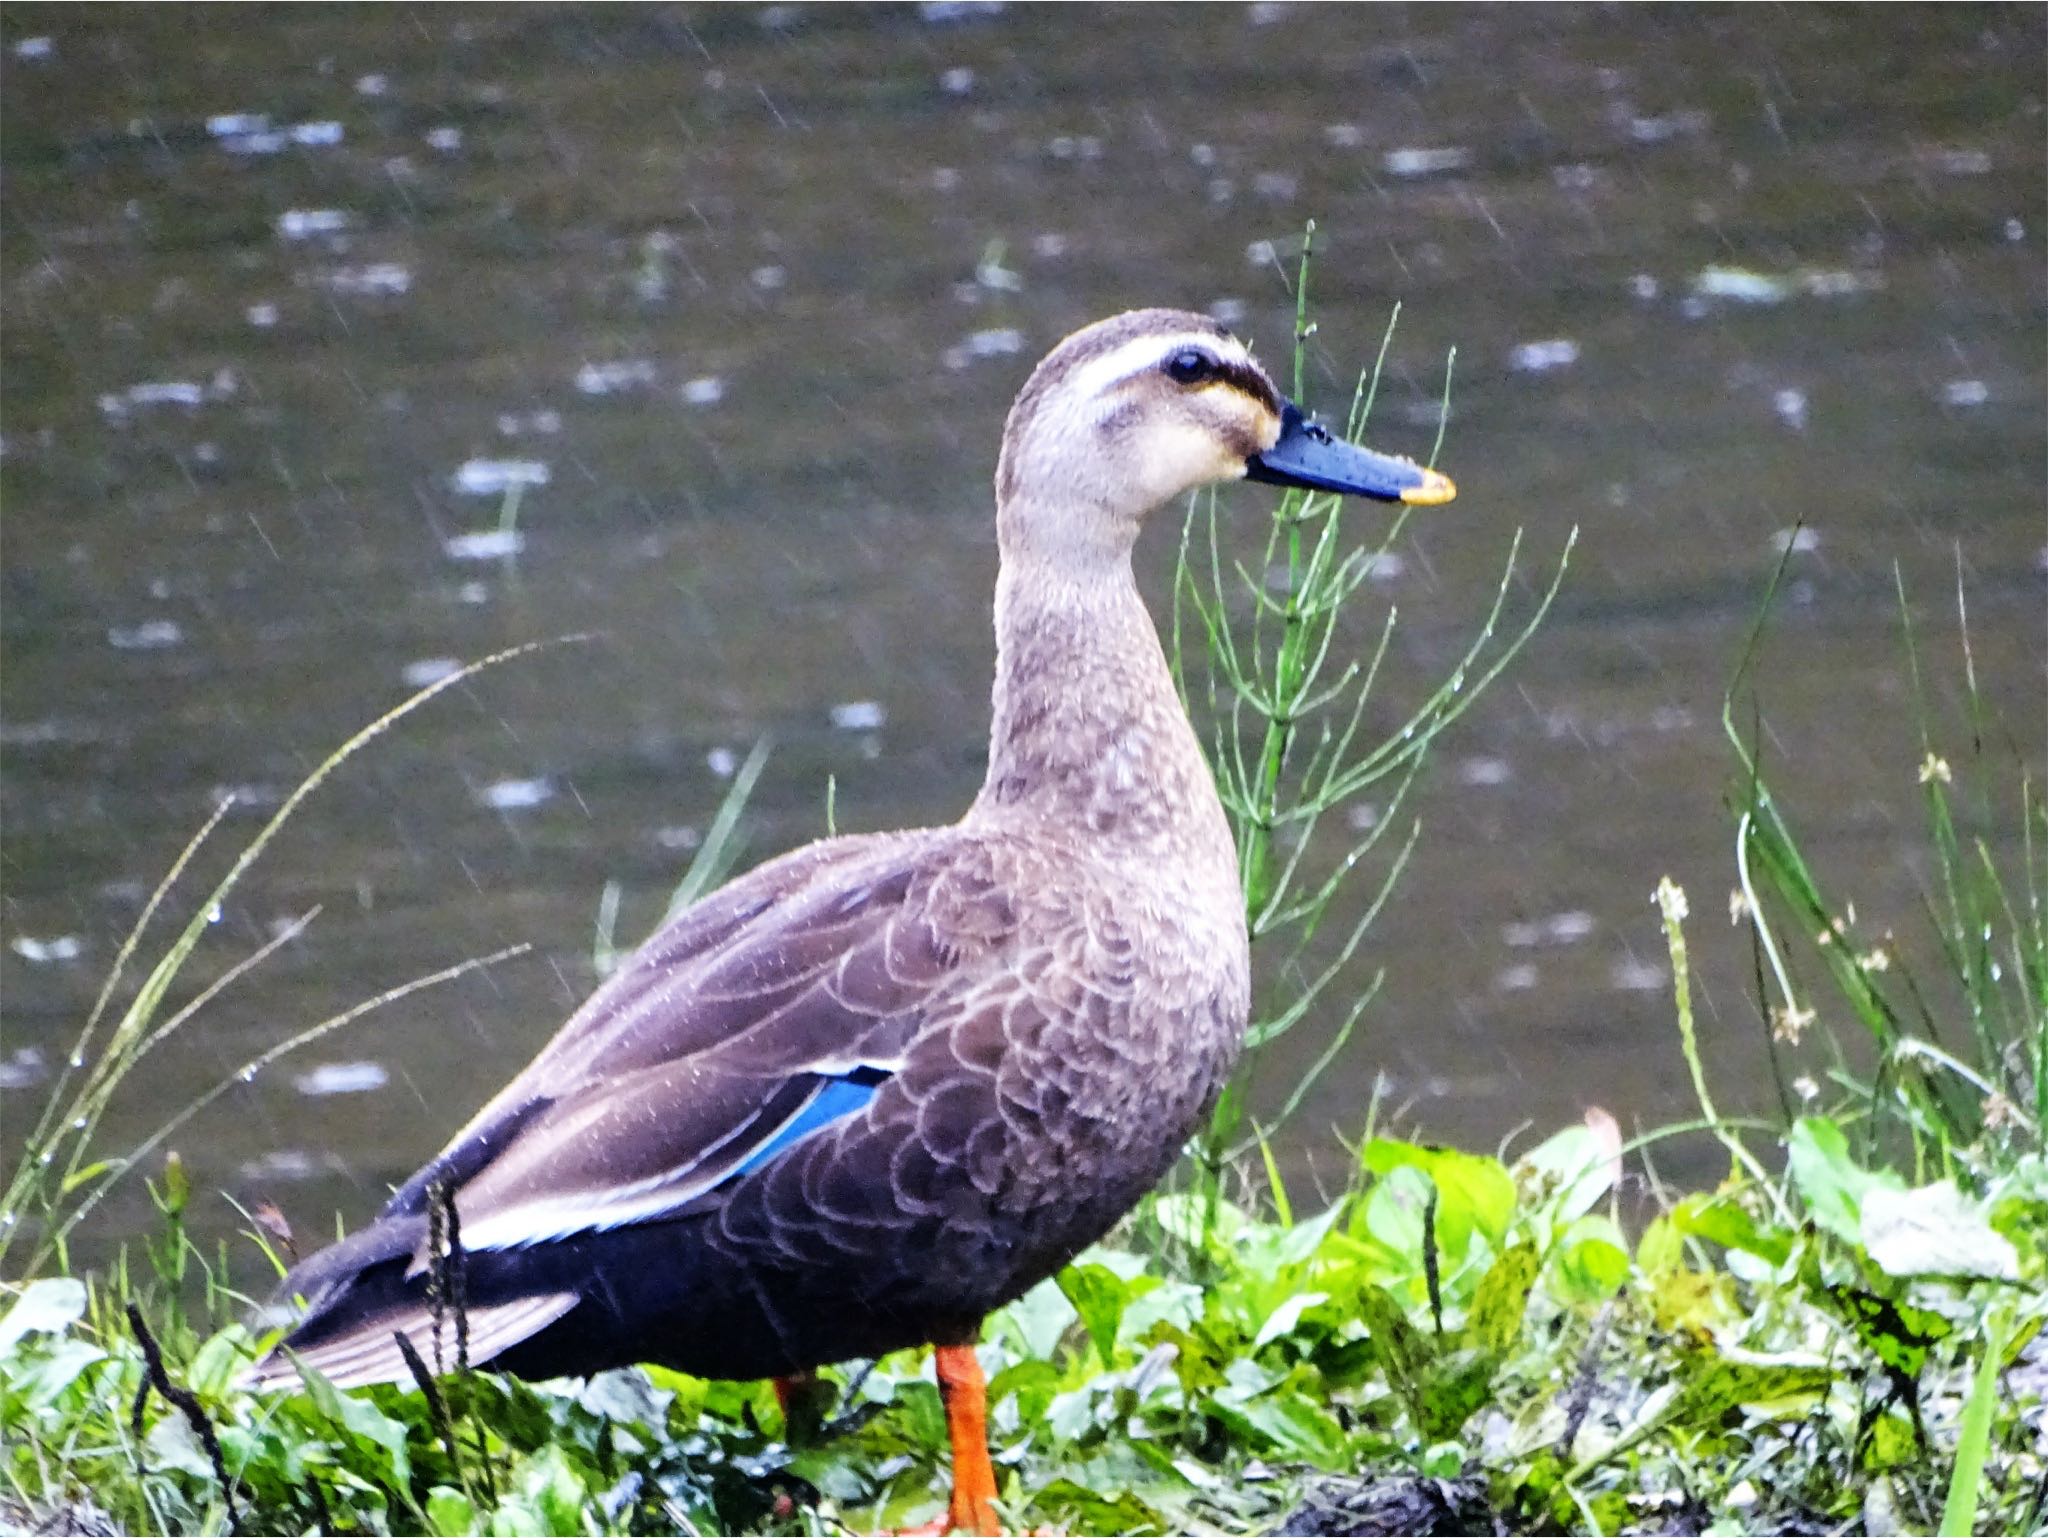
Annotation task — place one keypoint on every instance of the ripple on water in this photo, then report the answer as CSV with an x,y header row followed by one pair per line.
x,y
495,477
23,1068
152,635
356,1078
515,795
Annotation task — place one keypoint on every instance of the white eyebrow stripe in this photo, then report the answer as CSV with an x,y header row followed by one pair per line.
x,y
1098,375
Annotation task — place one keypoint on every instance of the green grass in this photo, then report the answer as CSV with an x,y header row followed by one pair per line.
x,y
1844,1334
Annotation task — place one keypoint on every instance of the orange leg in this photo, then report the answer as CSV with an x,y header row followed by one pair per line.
x,y
964,1392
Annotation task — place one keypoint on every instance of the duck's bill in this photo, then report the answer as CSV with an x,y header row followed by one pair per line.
x,y
1310,456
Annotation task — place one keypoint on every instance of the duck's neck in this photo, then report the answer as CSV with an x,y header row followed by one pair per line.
x,y
1088,734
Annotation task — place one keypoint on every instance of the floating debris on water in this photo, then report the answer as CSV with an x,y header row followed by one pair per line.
x,y
152,635
1797,541
58,948
516,795
495,477
341,1079
484,545
859,715
311,223
427,671
1542,357
614,378
1416,162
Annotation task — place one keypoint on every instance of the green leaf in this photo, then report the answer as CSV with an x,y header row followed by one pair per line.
x,y
48,1307
1474,1193
1393,1212
1897,1334
1455,1389
1832,1182
1716,1385
1935,1230
1394,1339
1089,1511
1573,1169
1284,1318
1501,1299
362,1420
1098,1295
450,1513
1592,1258
1720,1218
1287,1422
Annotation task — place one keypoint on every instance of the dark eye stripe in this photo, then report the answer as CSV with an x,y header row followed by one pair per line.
x,y
1248,380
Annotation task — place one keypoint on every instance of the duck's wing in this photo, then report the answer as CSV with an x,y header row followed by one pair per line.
x,y
774,1008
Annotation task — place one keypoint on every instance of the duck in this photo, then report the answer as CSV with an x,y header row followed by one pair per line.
x,y
871,1091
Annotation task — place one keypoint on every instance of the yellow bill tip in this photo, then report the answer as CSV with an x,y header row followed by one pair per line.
x,y
1435,490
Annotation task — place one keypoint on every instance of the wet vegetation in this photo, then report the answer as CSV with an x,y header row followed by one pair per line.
x,y
1841,1335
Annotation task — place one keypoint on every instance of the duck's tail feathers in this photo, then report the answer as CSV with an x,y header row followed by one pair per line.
x,y
367,1351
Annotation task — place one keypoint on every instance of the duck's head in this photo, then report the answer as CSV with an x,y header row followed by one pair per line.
x,y
1136,410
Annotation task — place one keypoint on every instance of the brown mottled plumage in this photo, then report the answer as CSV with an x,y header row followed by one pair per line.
x,y
880,1086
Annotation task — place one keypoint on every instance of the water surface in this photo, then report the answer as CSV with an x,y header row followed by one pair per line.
x,y
739,297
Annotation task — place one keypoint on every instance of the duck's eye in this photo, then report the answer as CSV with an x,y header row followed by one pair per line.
x,y
1190,366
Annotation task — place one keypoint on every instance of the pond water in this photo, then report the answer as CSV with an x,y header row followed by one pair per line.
x,y
738,297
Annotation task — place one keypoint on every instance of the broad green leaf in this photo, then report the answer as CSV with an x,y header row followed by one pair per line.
x,y
1284,1318
362,1420
1715,1385
1098,1295
1474,1193
1286,1422
1398,1345
49,1306
1393,1212
1897,1334
1501,1299
1090,1511
1569,1172
1592,1258
1719,1217
1833,1184
1454,1390
172,1444
450,1513
1935,1231
38,1377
